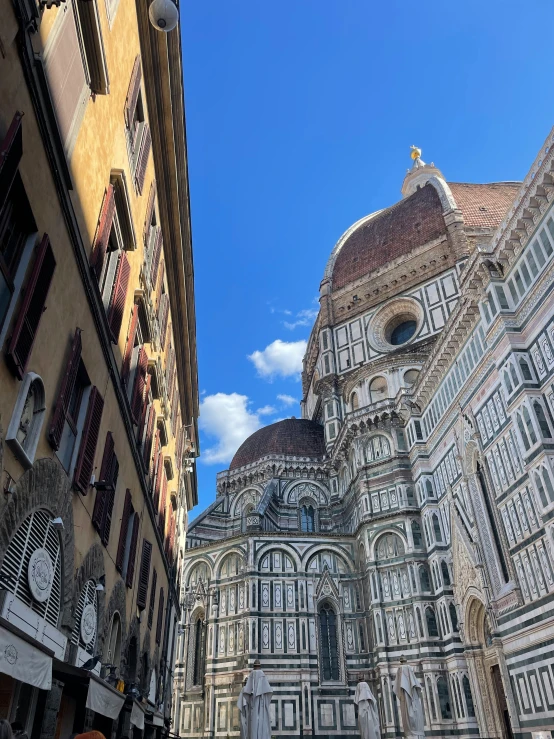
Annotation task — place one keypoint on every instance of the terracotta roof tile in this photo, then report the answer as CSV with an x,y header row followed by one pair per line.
x,y
395,231
295,437
484,206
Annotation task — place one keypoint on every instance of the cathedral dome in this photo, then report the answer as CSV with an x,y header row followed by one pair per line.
x,y
389,234
293,437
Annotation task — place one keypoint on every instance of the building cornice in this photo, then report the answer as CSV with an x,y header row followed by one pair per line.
x,y
163,75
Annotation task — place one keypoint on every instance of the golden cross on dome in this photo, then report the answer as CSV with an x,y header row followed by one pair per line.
x,y
416,152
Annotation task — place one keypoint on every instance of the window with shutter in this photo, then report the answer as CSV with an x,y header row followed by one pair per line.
x,y
132,552
159,625
163,316
152,598
139,385
145,409
179,447
133,92
150,219
153,462
89,439
119,293
32,308
11,151
142,157
159,475
103,231
16,218
66,397
105,491
92,47
156,254
144,574
126,366
147,448
174,410
124,531
171,557
163,502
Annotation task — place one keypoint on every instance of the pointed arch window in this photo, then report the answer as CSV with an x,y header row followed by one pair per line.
x,y
307,518
431,699
529,424
431,619
523,433
444,698
453,616
507,382
328,643
468,696
424,580
541,418
525,371
437,528
199,650
445,573
416,534
354,403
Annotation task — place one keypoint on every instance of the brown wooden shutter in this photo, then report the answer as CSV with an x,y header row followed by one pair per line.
x,y
11,151
159,625
140,380
127,510
149,212
103,505
148,438
102,237
144,410
152,598
32,308
159,473
89,439
126,366
156,258
142,159
179,447
172,538
144,574
159,285
119,293
133,92
163,501
68,381
154,459
174,410
132,552
163,316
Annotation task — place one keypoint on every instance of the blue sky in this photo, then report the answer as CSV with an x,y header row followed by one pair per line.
x,y
300,116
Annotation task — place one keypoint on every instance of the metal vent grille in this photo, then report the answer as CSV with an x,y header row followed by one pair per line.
x,y
35,532
88,597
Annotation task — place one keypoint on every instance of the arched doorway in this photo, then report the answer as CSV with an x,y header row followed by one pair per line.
x,y
486,666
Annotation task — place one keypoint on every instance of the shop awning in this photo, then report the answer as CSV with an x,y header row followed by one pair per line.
x,y
104,699
137,716
24,661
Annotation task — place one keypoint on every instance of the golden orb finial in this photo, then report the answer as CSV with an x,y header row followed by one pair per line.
x,y
416,152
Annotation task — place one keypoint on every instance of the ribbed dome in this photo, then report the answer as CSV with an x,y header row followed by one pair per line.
x,y
294,437
390,234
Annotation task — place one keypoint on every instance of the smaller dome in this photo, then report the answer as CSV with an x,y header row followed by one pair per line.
x,y
292,437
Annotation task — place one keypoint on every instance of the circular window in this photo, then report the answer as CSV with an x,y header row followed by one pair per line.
x,y
410,377
402,333
396,324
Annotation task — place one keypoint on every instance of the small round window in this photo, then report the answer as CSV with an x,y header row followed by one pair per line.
x,y
403,332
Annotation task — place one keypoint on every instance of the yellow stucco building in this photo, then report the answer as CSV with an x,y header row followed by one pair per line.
x,y
98,375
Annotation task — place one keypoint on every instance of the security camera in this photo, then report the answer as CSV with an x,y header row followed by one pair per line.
x,y
163,15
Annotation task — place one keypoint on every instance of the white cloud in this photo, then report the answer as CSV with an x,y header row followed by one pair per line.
x,y
227,419
282,358
303,318
266,410
287,399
